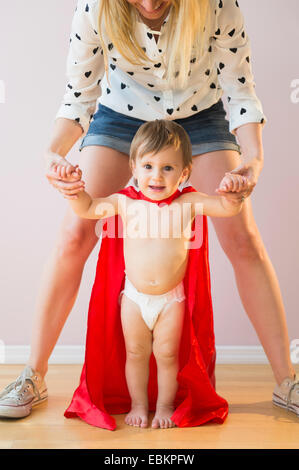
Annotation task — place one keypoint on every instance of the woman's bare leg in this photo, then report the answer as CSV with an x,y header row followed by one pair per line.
x,y
255,276
104,171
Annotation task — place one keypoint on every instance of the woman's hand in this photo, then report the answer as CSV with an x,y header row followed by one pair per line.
x,y
250,169
63,176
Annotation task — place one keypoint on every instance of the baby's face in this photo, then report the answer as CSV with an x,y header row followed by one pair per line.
x,y
160,175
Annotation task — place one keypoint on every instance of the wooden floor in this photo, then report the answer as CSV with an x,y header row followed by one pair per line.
x,y
253,421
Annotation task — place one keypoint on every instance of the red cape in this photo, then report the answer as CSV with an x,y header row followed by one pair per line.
x,y
103,390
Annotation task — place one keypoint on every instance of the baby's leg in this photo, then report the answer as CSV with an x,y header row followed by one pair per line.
x,y
138,341
166,342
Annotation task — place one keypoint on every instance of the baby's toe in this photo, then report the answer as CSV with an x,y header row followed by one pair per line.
x,y
170,423
137,421
128,420
144,423
155,423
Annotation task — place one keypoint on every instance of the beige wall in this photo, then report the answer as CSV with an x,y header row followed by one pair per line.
x,y
34,40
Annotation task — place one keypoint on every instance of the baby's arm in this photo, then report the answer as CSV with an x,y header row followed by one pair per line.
x,y
88,208
222,205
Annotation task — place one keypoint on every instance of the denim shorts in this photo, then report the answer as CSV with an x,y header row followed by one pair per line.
x,y
208,130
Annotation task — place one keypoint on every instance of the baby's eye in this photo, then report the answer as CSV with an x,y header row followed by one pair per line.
x,y
168,168
147,166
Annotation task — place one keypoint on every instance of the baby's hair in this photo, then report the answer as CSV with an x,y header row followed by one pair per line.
x,y
154,136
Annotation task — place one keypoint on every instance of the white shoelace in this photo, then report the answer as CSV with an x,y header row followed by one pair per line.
x,y
18,387
294,386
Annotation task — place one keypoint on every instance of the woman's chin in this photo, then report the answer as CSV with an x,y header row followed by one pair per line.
x,y
153,15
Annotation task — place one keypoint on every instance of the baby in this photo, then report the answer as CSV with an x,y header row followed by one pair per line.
x,y
152,304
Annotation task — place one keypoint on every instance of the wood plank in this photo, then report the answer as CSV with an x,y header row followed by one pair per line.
x,y
253,421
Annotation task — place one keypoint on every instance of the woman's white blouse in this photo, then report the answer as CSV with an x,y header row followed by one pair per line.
x,y
141,91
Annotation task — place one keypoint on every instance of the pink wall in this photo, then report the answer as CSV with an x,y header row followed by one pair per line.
x,y
35,39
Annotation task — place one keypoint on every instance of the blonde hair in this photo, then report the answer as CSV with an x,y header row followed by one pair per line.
x,y
154,136
189,30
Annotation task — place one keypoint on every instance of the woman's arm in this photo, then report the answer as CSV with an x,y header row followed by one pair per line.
x,y
85,66
65,133
250,140
233,61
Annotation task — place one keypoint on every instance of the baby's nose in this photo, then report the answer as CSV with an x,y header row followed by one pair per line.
x,y
157,175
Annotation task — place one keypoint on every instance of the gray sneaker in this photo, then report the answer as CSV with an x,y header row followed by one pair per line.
x,y
286,395
18,398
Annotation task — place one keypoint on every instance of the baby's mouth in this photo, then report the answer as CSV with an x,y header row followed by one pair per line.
x,y
157,188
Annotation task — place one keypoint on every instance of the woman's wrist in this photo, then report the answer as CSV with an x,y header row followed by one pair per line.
x,y
256,161
250,140
253,155
65,134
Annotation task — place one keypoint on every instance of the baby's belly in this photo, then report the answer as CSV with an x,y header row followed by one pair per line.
x,y
155,266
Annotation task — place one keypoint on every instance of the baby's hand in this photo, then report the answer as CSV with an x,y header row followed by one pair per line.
x,y
66,173
232,183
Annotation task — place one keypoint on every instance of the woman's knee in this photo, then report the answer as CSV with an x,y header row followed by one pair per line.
x,y
246,244
77,237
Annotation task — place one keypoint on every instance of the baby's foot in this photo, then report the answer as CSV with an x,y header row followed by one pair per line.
x,y
162,417
138,416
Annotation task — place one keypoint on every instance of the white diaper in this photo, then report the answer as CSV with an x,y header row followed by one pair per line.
x,y
152,305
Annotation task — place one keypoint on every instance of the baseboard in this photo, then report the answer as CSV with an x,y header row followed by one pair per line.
x,y
75,355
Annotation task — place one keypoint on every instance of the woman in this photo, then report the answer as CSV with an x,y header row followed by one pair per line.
x,y
153,59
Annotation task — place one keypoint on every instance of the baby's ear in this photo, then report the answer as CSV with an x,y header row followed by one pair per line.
x,y
186,174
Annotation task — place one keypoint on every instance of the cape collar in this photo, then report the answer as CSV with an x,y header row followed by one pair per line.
x,y
134,193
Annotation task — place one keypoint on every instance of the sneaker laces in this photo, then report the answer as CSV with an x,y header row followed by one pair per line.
x,y
18,386
294,386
